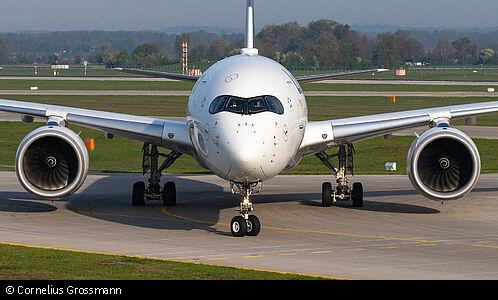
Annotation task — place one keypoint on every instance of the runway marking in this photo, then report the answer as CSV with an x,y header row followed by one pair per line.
x,y
320,252
217,258
168,212
390,247
357,249
484,245
425,245
170,260
286,254
252,256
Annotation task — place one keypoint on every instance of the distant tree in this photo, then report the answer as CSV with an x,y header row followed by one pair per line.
x,y
148,55
393,49
218,49
4,52
122,59
443,53
487,56
467,52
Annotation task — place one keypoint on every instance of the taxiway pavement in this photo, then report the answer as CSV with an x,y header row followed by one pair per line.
x,y
398,234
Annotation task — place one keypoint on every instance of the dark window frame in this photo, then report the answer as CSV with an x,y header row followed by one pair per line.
x,y
272,104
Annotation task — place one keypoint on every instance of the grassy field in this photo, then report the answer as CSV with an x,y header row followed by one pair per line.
x,y
95,85
465,74
25,263
123,155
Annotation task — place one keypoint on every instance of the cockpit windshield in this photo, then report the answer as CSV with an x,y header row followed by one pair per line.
x,y
246,106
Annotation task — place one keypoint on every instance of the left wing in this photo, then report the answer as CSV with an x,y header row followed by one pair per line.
x,y
159,74
166,133
322,135
318,77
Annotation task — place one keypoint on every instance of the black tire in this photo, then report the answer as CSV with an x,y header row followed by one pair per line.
x,y
138,194
253,226
327,194
238,226
169,194
357,194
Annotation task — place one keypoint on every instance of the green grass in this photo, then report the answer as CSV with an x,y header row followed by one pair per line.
x,y
21,263
123,155
463,74
391,87
96,85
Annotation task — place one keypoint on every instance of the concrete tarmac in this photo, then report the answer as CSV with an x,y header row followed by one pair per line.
x,y
398,234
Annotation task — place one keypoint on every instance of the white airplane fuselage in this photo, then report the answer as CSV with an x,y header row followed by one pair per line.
x,y
247,147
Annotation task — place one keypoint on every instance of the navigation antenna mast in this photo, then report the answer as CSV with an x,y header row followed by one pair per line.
x,y
185,54
249,40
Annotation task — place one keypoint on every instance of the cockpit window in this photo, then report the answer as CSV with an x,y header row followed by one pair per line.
x,y
218,104
246,106
235,105
274,105
256,105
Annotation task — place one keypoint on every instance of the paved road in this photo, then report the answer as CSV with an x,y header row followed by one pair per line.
x,y
397,235
307,93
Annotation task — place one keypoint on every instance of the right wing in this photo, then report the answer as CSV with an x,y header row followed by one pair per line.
x,y
318,77
320,136
166,133
159,74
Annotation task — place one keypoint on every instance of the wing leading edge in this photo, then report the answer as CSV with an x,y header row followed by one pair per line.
x,y
167,133
318,77
159,74
322,135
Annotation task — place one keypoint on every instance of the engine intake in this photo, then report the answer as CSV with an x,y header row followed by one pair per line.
x,y
443,163
52,162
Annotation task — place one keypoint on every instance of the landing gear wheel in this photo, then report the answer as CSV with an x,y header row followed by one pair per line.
x,y
357,194
253,226
169,194
238,226
326,194
138,194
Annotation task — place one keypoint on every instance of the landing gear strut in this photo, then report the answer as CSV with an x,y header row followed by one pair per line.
x,y
245,224
150,164
343,191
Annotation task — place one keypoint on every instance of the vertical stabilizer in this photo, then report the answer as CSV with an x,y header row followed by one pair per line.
x,y
249,41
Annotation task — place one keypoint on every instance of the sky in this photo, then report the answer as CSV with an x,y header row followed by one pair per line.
x,y
49,15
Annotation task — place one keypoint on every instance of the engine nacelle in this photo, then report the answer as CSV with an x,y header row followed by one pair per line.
x,y
52,162
443,163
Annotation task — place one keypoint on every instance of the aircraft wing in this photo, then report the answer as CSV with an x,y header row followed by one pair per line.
x,y
322,135
159,74
166,133
318,77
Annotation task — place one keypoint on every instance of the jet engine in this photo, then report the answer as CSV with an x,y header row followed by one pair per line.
x,y
443,163
52,162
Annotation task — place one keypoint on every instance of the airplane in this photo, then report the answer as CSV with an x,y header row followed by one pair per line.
x,y
247,121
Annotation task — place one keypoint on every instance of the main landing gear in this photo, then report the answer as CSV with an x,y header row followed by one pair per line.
x,y
150,163
245,224
343,191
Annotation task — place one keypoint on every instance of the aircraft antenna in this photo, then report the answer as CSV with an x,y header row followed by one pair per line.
x,y
249,40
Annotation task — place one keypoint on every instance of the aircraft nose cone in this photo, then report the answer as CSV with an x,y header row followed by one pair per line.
x,y
244,158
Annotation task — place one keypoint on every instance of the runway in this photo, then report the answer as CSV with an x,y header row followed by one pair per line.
x,y
397,235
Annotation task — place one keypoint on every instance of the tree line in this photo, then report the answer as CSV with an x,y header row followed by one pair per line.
x,y
322,44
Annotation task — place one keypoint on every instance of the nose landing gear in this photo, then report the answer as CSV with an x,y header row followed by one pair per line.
x,y
150,163
245,224
343,191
